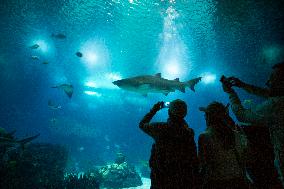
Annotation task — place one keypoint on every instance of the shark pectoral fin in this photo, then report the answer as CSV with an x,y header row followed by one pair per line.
x,y
158,75
191,83
182,89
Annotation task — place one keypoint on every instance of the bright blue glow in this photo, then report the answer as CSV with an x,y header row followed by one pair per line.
x,y
103,81
208,78
173,59
91,84
43,45
172,69
113,76
93,93
91,57
95,54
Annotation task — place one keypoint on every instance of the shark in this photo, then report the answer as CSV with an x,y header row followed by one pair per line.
x,y
67,88
145,84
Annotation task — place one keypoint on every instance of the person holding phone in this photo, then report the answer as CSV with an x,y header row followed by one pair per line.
x,y
173,160
269,113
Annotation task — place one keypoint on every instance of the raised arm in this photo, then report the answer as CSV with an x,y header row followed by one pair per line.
x,y
258,91
151,128
242,114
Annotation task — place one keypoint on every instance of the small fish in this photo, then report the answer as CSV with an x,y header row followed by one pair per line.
x,y
35,57
59,36
79,54
52,106
45,62
35,46
67,88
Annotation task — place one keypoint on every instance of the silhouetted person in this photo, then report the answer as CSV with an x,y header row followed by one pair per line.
x,y
220,164
173,161
269,114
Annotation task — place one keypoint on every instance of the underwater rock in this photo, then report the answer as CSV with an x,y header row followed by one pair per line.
x,y
39,166
119,176
10,146
120,158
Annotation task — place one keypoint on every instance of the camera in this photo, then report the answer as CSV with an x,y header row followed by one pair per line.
x,y
166,104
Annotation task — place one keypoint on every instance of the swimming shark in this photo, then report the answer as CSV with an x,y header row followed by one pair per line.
x,y
155,84
67,88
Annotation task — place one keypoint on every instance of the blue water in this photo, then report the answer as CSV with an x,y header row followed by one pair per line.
x,y
120,39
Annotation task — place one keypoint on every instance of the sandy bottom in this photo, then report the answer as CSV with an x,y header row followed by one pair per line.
x,y
146,184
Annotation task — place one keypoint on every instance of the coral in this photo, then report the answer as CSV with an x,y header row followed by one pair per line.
x,y
119,176
81,181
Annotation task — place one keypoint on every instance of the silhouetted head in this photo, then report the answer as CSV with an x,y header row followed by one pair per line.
x,y
276,81
177,109
215,112
218,119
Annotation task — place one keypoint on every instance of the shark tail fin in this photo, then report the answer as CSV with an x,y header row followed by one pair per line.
x,y
191,83
29,139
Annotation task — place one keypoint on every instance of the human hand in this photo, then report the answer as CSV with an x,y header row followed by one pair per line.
x,y
158,106
226,84
235,81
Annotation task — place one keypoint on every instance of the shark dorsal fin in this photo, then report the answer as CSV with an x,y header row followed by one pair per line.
x,y
176,79
158,75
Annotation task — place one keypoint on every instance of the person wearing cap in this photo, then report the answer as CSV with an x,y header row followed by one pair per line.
x,y
269,113
220,162
173,160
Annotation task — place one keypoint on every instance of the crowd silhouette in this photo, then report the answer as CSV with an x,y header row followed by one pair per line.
x,y
230,155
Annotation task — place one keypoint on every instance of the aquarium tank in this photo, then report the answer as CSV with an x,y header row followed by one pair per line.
x,y
78,76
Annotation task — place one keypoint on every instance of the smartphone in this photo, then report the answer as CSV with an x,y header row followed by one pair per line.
x,y
166,104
